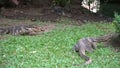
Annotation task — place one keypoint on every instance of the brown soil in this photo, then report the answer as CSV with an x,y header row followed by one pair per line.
x,y
9,23
45,14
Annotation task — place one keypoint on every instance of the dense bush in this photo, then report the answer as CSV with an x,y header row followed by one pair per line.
x,y
1,2
61,2
6,3
117,22
106,1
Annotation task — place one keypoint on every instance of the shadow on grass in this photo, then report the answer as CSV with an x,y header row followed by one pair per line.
x,y
115,42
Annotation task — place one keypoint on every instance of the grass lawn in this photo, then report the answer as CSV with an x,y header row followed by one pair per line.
x,y
54,49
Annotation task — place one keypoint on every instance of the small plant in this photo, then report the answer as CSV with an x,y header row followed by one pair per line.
x,y
116,22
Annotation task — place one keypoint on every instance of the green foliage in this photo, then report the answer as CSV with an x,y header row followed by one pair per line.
x,y
5,3
2,2
111,8
117,22
106,1
60,2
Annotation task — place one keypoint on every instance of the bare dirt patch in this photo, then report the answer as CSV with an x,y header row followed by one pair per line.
x,y
23,27
4,22
46,14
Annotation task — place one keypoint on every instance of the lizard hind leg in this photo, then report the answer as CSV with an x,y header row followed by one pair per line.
x,y
88,59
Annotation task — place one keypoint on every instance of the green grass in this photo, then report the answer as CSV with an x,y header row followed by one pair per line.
x,y
54,49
